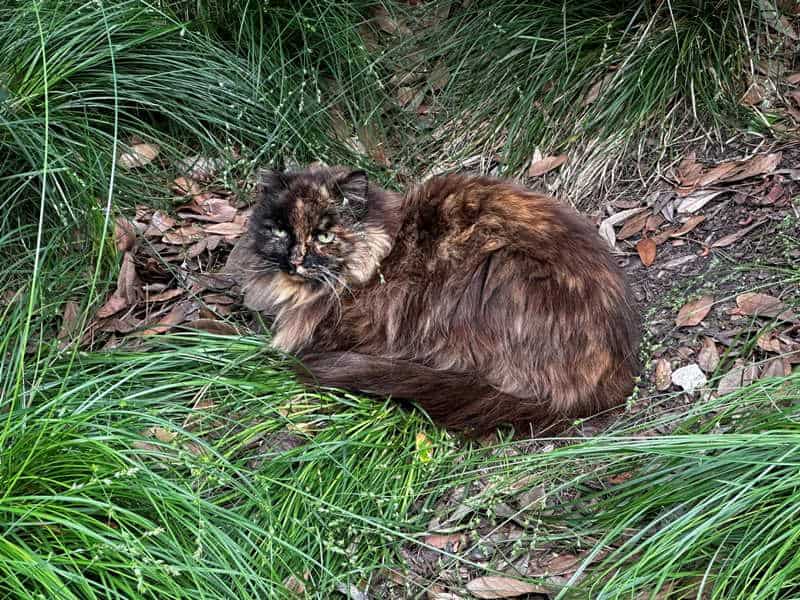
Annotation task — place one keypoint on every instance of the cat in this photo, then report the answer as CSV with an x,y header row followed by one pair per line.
x,y
482,301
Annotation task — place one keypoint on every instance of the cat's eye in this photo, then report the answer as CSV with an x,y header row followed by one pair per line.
x,y
325,237
278,233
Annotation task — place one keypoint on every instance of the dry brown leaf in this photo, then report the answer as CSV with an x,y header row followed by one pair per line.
x,y
124,234
545,165
128,289
708,357
201,168
213,326
732,238
185,186
294,585
70,317
763,305
692,313
647,251
162,222
197,248
564,563
761,164
754,94
620,477
654,222
175,316
451,542
594,92
793,78
138,156
113,305
502,587
633,226
769,344
218,299
388,23
439,76
606,229
697,200
225,229
184,236
663,374
688,226
739,376
166,295
209,208
776,367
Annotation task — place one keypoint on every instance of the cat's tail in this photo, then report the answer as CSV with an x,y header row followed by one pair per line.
x,y
454,399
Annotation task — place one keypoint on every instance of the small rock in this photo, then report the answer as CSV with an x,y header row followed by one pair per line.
x,y
689,378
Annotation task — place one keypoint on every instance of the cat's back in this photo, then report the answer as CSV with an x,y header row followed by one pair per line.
x,y
462,218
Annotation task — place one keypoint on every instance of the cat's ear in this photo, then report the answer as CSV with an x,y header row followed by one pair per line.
x,y
353,190
272,181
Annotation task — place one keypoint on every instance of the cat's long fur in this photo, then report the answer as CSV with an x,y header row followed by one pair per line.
x,y
481,300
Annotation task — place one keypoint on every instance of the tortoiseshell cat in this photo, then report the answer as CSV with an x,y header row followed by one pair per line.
x,y
484,302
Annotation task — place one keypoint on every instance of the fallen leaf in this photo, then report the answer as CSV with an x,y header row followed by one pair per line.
x,y
294,585
688,226
769,344
708,357
185,235
663,374
739,376
439,76
760,164
594,92
545,165
162,222
566,563
197,248
388,23
776,367
225,229
69,320
184,186
138,156
654,222
502,587
732,238
200,168
697,200
633,226
620,477
167,295
606,229
124,234
763,305
209,208
451,542
793,78
689,378
647,251
113,305
754,95
678,262
176,315
213,326
128,289
692,313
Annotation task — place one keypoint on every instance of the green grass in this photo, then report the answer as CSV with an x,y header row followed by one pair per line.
x,y
567,76
195,466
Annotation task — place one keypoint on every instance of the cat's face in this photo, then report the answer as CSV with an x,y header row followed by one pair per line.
x,y
311,225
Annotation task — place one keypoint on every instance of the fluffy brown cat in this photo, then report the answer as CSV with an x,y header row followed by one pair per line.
x,y
484,302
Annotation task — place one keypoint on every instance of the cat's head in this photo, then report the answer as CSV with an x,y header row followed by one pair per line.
x,y
321,226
